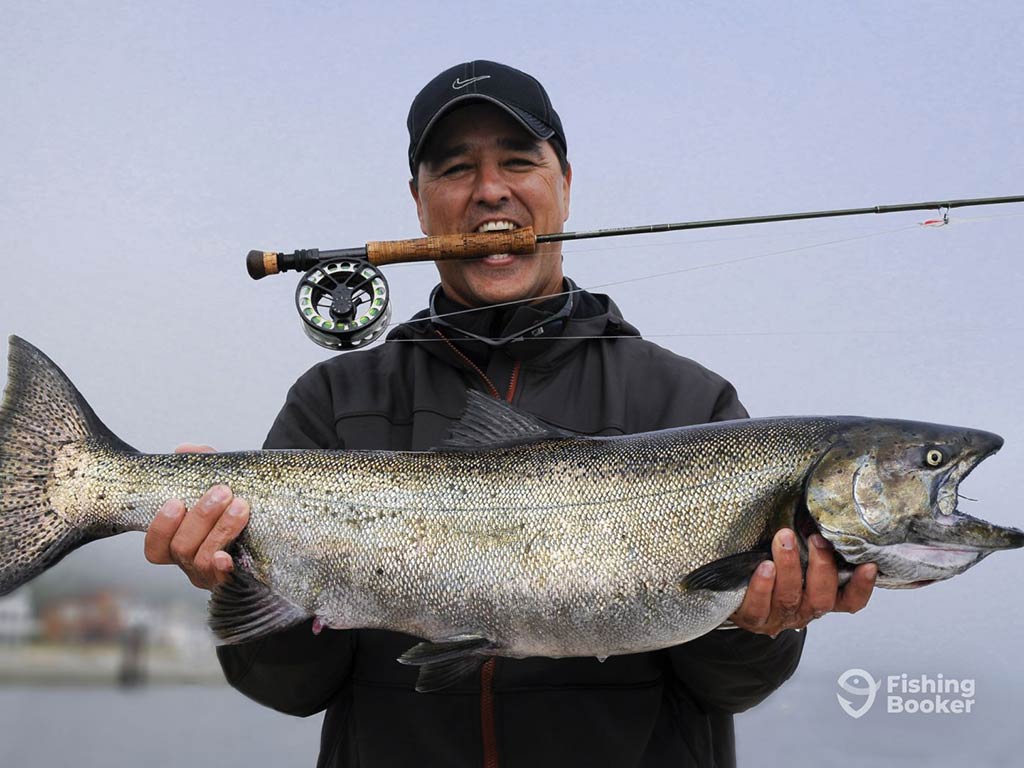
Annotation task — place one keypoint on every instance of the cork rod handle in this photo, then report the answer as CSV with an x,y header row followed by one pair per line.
x,y
442,247
262,263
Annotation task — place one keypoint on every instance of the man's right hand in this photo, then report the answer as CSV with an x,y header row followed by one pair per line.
x,y
195,539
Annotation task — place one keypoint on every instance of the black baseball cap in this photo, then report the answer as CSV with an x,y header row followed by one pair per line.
x,y
519,94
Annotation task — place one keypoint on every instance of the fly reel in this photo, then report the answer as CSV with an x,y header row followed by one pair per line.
x,y
344,303
343,298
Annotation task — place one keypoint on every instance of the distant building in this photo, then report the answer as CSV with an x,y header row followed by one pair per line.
x,y
93,618
17,624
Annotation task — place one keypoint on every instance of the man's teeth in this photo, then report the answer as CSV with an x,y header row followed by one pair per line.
x,y
495,226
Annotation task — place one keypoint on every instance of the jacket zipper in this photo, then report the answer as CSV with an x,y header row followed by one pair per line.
x,y
493,390
488,728
487,720
489,732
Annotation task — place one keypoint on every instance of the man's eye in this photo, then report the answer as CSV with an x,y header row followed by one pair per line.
x,y
453,170
520,162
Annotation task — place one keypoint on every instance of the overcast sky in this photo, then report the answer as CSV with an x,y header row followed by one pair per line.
x,y
148,146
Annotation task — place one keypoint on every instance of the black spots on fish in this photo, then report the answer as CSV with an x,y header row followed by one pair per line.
x,y
456,489
657,589
528,548
357,518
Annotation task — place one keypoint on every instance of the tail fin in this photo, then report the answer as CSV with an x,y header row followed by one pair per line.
x,y
41,412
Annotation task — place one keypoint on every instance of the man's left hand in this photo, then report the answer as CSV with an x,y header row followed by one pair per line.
x,y
777,597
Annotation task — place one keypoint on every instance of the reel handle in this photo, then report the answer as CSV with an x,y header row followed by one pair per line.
x,y
444,247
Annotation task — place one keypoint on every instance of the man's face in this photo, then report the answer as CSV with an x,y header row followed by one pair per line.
x,y
482,170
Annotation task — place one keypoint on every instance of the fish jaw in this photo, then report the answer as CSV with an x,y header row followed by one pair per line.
x,y
939,549
908,566
877,499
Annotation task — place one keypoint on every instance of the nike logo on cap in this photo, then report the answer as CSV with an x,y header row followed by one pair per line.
x,y
460,83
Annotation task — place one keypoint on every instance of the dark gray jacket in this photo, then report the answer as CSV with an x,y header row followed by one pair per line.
x,y
669,708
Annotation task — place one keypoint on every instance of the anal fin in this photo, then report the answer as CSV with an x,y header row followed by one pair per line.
x,y
444,664
728,573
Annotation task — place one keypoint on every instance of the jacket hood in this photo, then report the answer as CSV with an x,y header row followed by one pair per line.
x,y
592,315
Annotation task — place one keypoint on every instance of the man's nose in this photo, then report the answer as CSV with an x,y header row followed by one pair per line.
x,y
491,186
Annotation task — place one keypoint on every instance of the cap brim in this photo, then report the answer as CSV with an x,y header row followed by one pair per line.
x,y
533,124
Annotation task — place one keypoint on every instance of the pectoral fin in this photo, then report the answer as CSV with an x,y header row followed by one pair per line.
x,y
732,572
444,664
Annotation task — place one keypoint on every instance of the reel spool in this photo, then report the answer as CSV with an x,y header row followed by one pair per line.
x,y
344,303
344,299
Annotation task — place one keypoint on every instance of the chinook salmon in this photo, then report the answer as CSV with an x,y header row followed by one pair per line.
x,y
513,539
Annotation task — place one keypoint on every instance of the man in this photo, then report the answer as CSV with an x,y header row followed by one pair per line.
x,y
487,151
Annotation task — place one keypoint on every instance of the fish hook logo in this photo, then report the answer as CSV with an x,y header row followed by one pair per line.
x,y
850,681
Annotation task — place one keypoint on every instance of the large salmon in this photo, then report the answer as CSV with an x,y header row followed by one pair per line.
x,y
513,539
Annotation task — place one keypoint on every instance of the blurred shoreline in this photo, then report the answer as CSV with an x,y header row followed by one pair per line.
x,y
104,665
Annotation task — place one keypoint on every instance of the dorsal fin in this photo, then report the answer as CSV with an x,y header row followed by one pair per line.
x,y
491,423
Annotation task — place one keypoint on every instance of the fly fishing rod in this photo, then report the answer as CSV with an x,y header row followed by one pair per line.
x,y
344,301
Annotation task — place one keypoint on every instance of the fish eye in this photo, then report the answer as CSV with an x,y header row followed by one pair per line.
x,y
934,457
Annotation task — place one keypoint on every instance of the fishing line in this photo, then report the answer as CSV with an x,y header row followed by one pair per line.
x,y
740,334
344,299
753,257
679,243
682,270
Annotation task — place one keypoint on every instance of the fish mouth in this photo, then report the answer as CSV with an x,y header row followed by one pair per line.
x,y
947,542
948,493
933,545
948,532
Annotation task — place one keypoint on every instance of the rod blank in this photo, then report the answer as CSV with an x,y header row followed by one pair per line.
x,y
522,241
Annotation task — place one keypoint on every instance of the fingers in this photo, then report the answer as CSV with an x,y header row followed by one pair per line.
x,y
756,608
822,578
210,558
782,597
857,592
193,531
789,581
162,530
195,539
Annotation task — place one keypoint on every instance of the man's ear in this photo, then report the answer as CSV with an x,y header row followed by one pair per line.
x,y
419,204
565,191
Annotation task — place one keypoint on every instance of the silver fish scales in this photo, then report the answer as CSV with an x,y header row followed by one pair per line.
x,y
515,539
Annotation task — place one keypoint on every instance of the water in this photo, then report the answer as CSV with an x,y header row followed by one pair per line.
x,y
165,727
803,725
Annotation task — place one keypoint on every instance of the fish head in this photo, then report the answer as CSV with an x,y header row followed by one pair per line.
x,y
886,492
